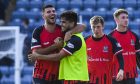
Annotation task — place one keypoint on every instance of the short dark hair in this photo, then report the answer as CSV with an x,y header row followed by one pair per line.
x,y
70,16
119,11
47,6
96,20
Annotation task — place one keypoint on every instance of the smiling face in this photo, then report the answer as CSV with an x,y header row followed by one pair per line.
x,y
49,15
66,25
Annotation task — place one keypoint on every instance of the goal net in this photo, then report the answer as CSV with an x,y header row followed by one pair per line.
x,y
9,46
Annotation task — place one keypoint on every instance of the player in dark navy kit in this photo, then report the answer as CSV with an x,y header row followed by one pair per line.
x,y
43,42
130,45
101,50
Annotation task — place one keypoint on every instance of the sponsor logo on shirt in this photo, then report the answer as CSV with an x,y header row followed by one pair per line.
x,y
34,40
105,49
88,48
70,45
46,43
98,59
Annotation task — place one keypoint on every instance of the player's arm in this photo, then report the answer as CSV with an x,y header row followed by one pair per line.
x,y
73,45
137,48
46,50
117,50
36,45
78,29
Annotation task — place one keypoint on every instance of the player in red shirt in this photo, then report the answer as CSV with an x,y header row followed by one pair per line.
x,y
46,72
130,45
101,49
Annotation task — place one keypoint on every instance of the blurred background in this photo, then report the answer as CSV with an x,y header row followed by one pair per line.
x,y
26,15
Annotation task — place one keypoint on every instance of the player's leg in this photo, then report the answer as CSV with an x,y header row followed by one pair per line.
x,y
130,81
39,81
117,82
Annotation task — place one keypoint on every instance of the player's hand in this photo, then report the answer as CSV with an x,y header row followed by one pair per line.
x,y
59,42
67,36
32,57
120,75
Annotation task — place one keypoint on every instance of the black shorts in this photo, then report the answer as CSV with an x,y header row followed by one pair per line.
x,y
126,81
73,82
43,81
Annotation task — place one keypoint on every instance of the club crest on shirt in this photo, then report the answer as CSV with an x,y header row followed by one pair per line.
x,y
132,42
34,40
118,45
105,49
70,45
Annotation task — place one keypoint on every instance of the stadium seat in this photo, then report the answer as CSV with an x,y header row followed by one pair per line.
x,y
62,4
130,3
22,4
89,4
36,4
15,22
76,4
20,13
52,2
4,70
135,27
33,15
137,14
116,3
26,79
130,13
7,80
100,13
109,16
86,14
138,3
27,70
103,4
109,26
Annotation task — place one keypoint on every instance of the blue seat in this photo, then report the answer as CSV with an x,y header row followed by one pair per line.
x,y
36,4
20,13
52,2
130,3
135,27
116,3
109,26
103,4
15,22
100,13
109,15
62,4
22,4
89,4
76,4
130,13
137,14
33,15
4,70
7,80
86,14
138,3
26,79
27,70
